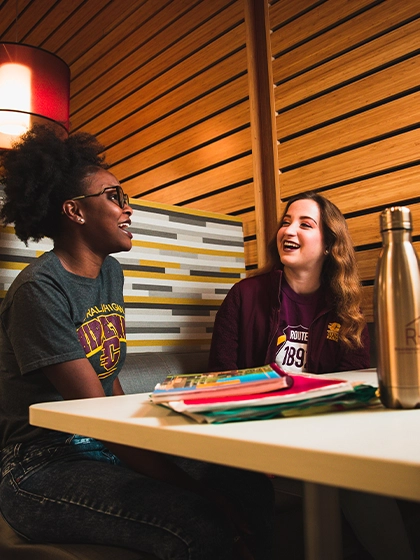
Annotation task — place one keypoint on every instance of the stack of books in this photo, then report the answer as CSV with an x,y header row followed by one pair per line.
x,y
258,393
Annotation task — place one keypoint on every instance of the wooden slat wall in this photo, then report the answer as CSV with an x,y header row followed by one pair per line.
x,y
348,114
174,111
163,84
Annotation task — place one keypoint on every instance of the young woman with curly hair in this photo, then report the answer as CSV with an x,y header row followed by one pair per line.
x,y
65,488
303,309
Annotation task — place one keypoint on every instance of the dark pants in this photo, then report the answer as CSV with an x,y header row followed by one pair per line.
x,y
71,489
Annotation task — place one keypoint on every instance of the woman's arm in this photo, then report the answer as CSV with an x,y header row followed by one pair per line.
x,y
75,379
116,387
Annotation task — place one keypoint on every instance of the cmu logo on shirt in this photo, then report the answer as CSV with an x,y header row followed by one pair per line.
x,y
332,331
103,335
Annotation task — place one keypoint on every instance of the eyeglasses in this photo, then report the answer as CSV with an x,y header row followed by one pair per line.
x,y
121,198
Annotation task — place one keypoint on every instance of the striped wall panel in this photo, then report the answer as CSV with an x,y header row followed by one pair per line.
x,y
180,268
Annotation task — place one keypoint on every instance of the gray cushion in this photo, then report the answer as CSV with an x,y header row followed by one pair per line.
x,y
142,371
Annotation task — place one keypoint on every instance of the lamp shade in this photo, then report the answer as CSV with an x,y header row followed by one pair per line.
x,y
34,87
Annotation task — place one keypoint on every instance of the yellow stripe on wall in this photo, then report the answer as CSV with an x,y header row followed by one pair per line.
x,y
13,265
183,249
238,270
183,342
170,301
160,264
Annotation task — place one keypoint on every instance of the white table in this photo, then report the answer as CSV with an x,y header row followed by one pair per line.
x,y
375,451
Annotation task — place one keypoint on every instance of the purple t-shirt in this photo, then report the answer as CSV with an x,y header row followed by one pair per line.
x,y
297,313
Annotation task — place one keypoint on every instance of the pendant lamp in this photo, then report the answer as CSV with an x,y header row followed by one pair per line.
x,y
34,88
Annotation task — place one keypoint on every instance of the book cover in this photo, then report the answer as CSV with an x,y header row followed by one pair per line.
x,y
224,383
305,386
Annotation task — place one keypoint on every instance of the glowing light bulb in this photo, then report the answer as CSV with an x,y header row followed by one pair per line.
x,y
15,98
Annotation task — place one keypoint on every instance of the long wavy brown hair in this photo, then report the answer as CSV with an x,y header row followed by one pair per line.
x,y
339,273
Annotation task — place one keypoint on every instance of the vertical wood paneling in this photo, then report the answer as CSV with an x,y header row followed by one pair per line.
x,y
265,164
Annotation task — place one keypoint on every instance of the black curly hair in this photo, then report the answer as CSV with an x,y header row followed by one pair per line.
x,y
39,173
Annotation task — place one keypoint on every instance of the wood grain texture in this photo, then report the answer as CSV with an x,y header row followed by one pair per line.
x,y
367,261
331,36
351,65
233,201
209,113
362,128
176,170
186,146
251,254
367,303
204,183
364,93
182,58
376,157
364,229
314,25
265,162
382,190
119,34
176,88
284,10
29,16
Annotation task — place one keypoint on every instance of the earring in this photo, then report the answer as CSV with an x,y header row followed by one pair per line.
x,y
326,252
81,220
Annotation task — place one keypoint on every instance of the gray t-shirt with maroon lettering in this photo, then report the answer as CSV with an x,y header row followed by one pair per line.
x,y
50,316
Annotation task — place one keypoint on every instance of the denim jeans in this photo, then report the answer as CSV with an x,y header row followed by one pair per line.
x,y
63,488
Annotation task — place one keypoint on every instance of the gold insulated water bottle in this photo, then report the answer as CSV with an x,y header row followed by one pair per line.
x,y
397,312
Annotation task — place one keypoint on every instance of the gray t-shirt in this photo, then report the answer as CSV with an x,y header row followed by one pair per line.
x,y
50,316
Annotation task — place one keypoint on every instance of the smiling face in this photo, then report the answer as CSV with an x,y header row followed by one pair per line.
x,y
300,240
105,222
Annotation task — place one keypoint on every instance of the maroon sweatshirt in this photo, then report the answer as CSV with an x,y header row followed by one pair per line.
x,y
247,324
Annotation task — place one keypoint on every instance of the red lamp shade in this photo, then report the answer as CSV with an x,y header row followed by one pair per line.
x,y
34,87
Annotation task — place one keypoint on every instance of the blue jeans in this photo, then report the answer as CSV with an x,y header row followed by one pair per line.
x,y
63,488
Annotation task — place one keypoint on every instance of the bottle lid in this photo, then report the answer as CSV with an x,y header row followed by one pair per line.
x,y
396,217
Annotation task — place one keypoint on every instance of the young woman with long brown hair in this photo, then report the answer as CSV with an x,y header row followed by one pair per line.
x,y
303,309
